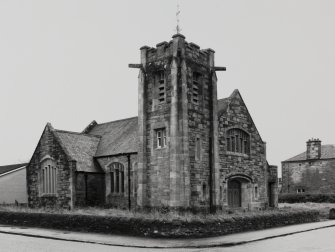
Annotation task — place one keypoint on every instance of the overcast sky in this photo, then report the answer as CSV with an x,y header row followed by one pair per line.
x,y
66,62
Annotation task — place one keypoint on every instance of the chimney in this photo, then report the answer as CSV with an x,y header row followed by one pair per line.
x,y
313,149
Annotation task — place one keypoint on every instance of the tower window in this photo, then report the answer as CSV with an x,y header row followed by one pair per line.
x,y
195,87
198,149
204,190
161,138
238,141
161,86
117,178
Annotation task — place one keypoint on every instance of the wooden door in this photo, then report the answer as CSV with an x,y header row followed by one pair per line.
x,y
234,193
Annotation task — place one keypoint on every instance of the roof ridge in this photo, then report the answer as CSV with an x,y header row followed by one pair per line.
x,y
125,119
76,133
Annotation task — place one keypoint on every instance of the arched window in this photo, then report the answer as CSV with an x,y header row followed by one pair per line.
x,y
238,141
48,177
117,178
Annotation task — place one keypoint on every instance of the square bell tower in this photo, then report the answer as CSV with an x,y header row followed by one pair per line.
x,y
178,160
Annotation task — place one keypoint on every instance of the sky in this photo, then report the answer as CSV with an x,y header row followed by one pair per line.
x,y
66,62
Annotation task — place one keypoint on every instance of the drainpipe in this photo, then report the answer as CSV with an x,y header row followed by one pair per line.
x,y
129,201
211,209
86,193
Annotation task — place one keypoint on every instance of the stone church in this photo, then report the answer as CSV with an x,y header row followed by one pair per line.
x,y
187,149
312,171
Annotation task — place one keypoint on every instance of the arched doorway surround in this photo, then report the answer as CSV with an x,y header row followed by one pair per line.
x,y
239,193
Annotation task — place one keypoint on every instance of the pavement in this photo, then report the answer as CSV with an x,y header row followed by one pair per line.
x,y
144,242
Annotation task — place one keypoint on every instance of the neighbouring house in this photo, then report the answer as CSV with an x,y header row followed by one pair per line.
x,y
13,186
187,149
312,171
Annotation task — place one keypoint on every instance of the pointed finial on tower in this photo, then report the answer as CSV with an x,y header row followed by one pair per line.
x,y
178,29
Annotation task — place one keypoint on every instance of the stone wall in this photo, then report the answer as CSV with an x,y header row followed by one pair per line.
x,y
310,176
120,200
252,165
49,146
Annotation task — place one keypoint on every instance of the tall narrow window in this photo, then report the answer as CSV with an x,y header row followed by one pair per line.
x,y
204,190
195,87
161,86
48,177
161,138
117,178
238,141
198,149
228,144
112,182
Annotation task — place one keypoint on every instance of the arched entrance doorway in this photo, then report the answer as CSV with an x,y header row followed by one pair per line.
x,y
234,193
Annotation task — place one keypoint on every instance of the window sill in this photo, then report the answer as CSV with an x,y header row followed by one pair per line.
x,y
117,194
161,148
237,154
48,195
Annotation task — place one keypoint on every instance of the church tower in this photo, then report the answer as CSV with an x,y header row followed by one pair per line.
x,y
178,159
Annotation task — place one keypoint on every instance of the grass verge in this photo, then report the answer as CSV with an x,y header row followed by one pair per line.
x,y
323,208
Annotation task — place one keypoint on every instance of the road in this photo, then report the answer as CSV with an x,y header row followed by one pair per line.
x,y
321,240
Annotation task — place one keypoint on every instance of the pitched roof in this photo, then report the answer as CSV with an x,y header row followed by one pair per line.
x,y
81,148
327,152
8,168
116,137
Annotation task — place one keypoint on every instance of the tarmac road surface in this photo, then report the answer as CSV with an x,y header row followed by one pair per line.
x,y
320,240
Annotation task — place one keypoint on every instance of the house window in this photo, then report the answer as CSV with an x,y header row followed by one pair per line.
x,y
48,177
161,86
161,138
198,149
238,141
195,87
117,178
300,190
256,192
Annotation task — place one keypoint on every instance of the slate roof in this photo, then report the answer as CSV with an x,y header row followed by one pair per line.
x,y
327,152
81,148
8,168
116,137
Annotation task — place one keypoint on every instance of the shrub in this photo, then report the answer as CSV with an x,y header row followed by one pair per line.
x,y
155,223
306,197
